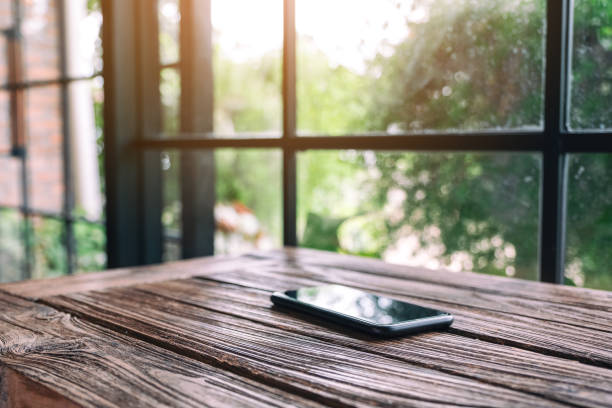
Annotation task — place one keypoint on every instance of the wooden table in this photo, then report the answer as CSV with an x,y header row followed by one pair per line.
x,y
203,333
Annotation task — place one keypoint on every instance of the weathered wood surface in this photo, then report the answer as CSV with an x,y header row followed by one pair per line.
x,y
528,324
564,295
340,376
51,359
36,289
204,333
447,352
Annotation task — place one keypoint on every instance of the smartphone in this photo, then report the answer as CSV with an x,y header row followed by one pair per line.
x,y
374,314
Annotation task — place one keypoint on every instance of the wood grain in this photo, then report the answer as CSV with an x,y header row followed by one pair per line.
x,y
45,354
331,373
475,316
204,333
496,364
518,288
596,319
39,288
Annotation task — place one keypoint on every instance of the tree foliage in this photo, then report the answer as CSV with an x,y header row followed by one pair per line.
x,y
473,66
470,65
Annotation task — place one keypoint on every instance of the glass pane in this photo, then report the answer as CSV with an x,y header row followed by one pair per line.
x,y
248,212
461,211
171,211
10,182
48,248
169,17
248,209
3,60
91,246
44,144
589,221
11,245
97,89
170,93
591,80
408,66
40,39
247,67
172,248
83,39
5,122
86,147
6,15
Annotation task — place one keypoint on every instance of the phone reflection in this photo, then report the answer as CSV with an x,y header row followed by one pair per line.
x,y
362,305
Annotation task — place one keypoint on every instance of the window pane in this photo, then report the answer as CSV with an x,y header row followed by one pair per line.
x,y
41,34
397,66
90,246
86,99
10,182
170,93
6,15
589,221
171,211
3,60
172,248
45,147
48,247
247,44
44,144
169,16
462,211
11,245
248,209
83,39
5,122
40,39
249,200
591,80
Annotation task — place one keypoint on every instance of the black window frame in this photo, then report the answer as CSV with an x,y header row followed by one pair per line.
x,y
554,141
17,86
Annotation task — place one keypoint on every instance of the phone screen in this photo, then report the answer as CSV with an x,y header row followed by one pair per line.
x,y
366,306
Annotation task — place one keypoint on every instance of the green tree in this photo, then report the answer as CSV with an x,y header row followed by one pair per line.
x,y
471,66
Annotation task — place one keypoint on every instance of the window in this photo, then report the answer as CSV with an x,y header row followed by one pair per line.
x,y
51,205
591,71
399,67
461,211
441,133
589,221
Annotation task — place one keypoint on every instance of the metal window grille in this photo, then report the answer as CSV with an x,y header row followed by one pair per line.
x,y
133,193
17,86
555,141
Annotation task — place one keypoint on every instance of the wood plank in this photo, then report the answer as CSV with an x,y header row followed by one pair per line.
x,y
595,319
39,288
518,288
51,359
473,316
549,377
334,374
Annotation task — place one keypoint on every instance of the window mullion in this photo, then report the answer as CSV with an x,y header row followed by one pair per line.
x,y
197,93
554,162
69,240
289,125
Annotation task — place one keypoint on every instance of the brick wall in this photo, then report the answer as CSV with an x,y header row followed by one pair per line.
x,y
42,107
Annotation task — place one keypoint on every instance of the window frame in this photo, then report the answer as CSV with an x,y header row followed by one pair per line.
x,y
17,86
554,142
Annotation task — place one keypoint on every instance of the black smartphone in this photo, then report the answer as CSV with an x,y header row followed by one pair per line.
x,y
371,313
